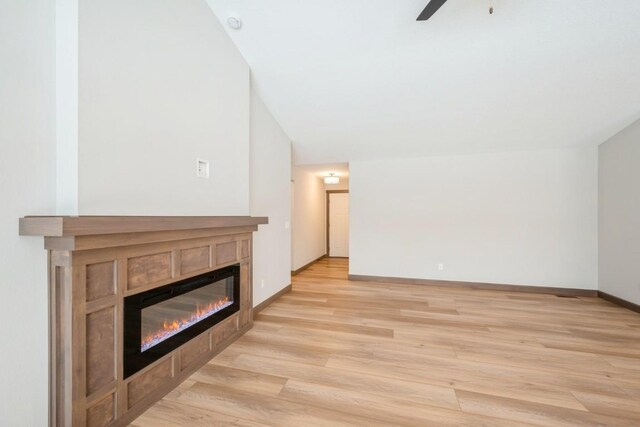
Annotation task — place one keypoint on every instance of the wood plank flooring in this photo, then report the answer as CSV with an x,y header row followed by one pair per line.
x,y
341,353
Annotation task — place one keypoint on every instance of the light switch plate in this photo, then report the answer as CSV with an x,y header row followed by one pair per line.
x,y
202,168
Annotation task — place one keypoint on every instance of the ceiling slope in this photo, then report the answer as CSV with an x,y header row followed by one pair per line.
x,y
360,79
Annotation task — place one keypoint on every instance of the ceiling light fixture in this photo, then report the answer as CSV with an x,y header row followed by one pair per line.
x,y
331,179
234,22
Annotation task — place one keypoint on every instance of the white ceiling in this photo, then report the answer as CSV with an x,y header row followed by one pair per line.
x,y
322,170
358,79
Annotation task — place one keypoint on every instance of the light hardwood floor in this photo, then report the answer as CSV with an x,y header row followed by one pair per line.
x,y
335,352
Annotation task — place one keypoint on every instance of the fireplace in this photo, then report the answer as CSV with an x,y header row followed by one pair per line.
x,y
137,306
158,321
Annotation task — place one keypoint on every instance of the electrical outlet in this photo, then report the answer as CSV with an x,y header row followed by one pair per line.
x,y
262,283
202,168
440,266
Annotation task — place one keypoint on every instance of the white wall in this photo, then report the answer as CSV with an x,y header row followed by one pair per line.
x,y
160,84
67,107
619,214
309,240
27,186
523,218
270,196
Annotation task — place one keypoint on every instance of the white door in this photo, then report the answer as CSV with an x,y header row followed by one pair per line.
x,y
339,224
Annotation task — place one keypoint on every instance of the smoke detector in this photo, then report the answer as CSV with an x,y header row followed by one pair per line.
x,y
234,22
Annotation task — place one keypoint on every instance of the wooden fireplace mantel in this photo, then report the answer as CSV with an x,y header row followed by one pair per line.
x,y
93,232
97,261
62,226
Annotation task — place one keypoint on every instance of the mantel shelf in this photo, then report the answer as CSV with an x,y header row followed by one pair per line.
x,y
68,226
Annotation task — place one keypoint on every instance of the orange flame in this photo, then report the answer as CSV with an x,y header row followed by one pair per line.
x,y
172,327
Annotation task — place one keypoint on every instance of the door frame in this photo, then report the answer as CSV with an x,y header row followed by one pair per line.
x,y
329,192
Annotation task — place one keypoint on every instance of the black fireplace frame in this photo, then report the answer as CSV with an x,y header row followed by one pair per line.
x,y
133,358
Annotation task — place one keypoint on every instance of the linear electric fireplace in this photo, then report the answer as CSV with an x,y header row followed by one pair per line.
x,y
137,305
158,321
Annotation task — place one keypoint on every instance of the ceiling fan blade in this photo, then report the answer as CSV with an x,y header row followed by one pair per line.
x,y
431,8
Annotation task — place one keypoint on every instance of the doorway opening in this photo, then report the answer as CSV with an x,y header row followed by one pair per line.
x,y
317,193
337,223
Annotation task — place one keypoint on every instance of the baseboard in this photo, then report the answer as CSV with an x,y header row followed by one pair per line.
x,y
619,301
565,292
304,267
264,304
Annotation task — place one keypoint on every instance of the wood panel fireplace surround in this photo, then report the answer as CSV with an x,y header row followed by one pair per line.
x,y
137,304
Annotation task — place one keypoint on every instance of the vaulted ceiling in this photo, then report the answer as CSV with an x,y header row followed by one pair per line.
x,y
358,79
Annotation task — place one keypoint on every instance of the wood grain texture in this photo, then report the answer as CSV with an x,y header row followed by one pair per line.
x,y
194,350
60,226
304,267
102,413
100,280
149,381
226,252
144,270
60,339
337,352
225,330
266,303
245,286
82,243
194,259
246,300
245,249
101,361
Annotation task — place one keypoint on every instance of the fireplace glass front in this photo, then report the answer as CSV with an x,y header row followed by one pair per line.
x,y
160,320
